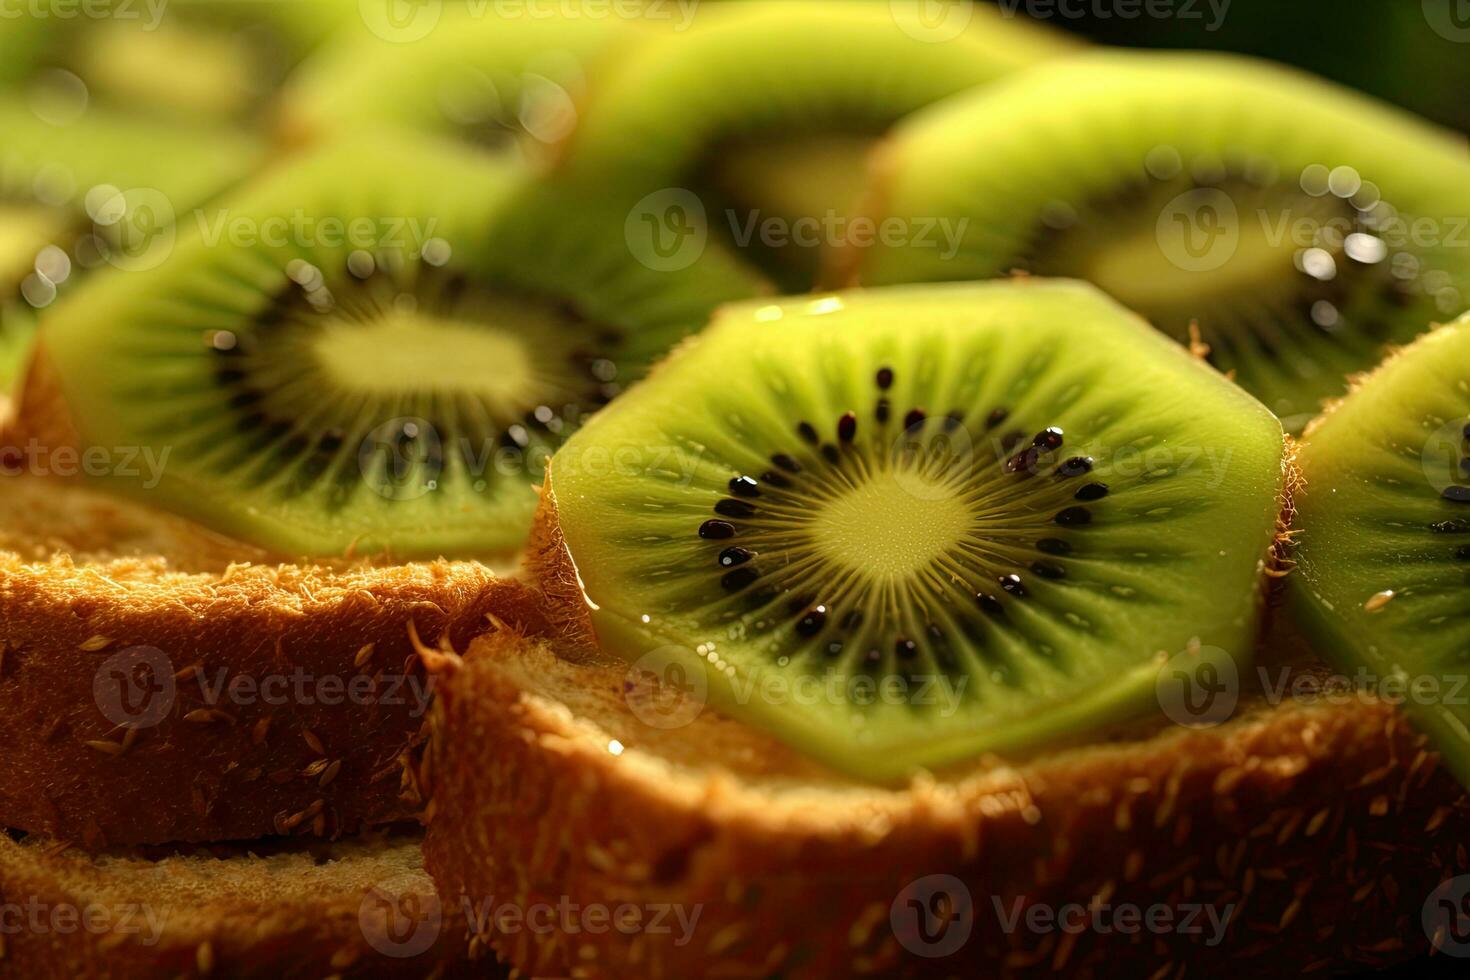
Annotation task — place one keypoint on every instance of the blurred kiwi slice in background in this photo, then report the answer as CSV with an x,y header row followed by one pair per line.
x,y
501,82
1382,536
1302,227
903,527
94,190
202,59
372,351
767,109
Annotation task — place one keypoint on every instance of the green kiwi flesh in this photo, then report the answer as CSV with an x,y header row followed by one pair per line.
x,y
991,498
81,194
1280,214
342,361
1383,535
772,81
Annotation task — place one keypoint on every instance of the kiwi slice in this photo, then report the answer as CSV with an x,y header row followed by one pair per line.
x,y
1302,227
91,192
219,59
372,359
1383,535
904,527
768,108
502,83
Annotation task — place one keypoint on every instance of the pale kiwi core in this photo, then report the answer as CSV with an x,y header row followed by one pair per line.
x,y
883,529
1156,267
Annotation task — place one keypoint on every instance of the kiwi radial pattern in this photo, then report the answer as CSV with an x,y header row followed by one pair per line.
x,y
765,111
1383,535
905,527
84,188
1302,227
372,350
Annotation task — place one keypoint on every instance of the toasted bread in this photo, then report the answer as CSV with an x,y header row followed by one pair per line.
x,y
354,908
162,684
1315,831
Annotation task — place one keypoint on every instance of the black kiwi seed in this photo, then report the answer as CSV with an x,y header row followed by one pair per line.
x,y
1012,584
914,418
811,624
954,420
883,410
989,604
1076,466
1049,569
1024,461
834,648
1048,438
1092,491
1465,467
786,463
739,578
847,427
1457,494
716,530
731,557
734,508
744,486
873,658
905,649
853,619
1053,546
807,433
1074,517
885,378
775,479
830,453
1012,439
996,417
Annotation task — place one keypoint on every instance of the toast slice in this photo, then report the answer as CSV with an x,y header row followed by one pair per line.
x,y
360,907
163,683
1305,832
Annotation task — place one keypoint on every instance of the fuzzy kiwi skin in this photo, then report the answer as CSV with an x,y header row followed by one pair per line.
x,y
587,526
1374,582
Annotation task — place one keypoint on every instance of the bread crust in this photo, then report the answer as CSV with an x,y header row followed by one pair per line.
x,y
1322,827
273,912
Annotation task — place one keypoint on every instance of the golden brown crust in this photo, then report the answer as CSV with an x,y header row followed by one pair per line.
x,y
268,912
268,698
1324,826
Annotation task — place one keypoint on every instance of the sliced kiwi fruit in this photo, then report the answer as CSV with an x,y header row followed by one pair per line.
x,y
501,83
89,193
217,59
903,527
768,108
371,351
1382,536
1300,226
